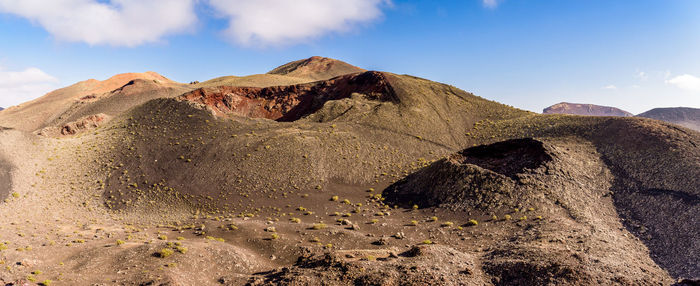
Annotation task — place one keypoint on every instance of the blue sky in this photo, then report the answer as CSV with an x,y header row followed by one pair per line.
x,y
632,54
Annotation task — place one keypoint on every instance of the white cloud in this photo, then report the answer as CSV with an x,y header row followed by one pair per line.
x,y
19,86
686,81
610,86
117,23
276,22
135,22
491,3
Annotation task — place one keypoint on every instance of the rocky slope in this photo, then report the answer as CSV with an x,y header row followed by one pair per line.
x,y
584,109
366,178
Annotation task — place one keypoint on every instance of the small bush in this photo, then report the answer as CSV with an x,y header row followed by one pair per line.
x,y
181,249
434,218
472,222
120,242
427,241
447,224
165,252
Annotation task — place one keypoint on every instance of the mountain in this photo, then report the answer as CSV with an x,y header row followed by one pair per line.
x,y
683,116
317,68
364,178
584,109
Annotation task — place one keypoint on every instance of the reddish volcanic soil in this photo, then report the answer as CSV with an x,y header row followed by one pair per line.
x,y
289,103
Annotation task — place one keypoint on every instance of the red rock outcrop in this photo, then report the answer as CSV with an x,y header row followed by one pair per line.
x,y
289,103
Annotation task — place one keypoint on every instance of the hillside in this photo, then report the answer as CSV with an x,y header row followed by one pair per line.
x,y
584,109
363,178
683,116
58,105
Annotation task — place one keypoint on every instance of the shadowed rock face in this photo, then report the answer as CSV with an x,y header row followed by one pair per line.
x,y
289,103
584,109
508,157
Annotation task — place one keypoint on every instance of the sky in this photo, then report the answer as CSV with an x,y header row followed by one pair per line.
x,y
631,54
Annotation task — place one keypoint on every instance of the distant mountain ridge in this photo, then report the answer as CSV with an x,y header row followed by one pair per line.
x,y
684,116
585,109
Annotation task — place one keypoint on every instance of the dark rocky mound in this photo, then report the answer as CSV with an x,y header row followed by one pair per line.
x,y
317,68
482,177
684,116
516,179
584,109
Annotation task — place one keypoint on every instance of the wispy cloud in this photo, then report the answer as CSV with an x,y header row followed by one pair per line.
x,y
23,85
686,82
610,86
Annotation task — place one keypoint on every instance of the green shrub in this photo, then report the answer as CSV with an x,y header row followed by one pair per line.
x,y
165,252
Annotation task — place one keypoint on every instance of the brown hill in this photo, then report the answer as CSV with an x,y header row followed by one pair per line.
x,y
316,68
51,108
368,178
584,109
683,116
